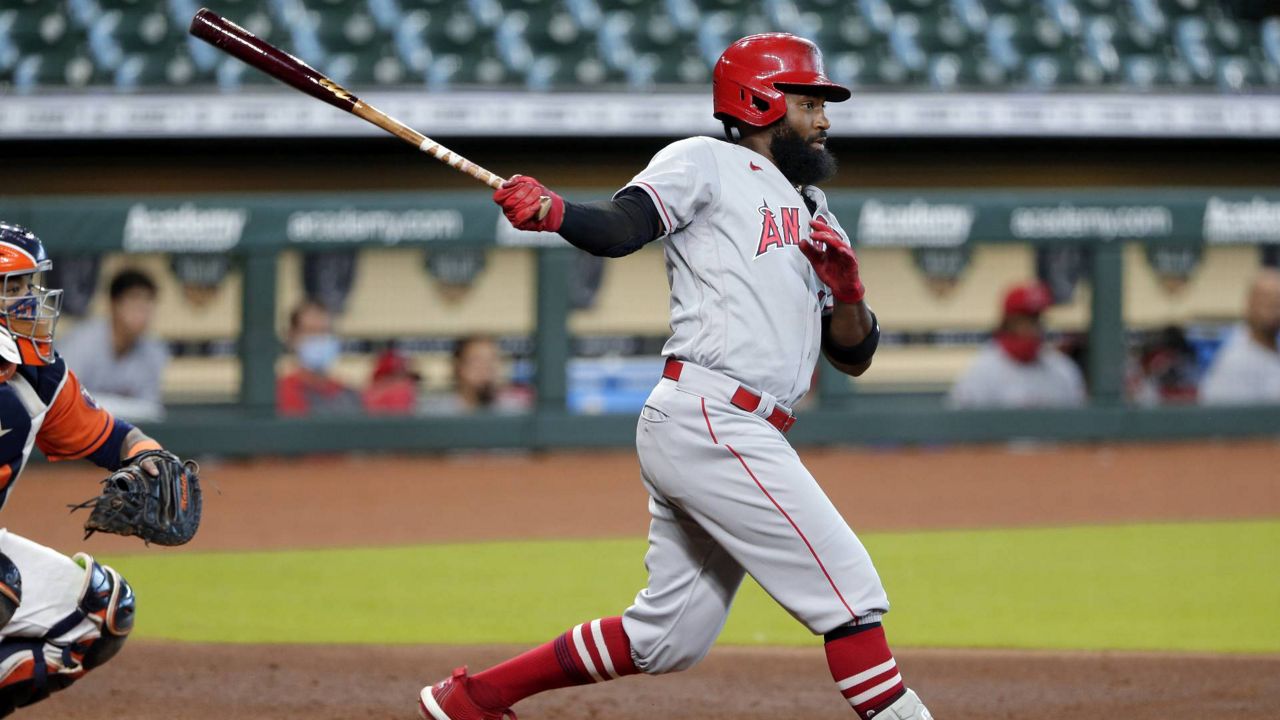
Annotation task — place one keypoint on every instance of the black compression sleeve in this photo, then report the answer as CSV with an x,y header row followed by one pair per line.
x,y
857,354
612,228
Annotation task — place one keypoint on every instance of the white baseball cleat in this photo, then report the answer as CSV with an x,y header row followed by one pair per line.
x,y
907,707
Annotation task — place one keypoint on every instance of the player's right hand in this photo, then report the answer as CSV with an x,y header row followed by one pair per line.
x,y
521,199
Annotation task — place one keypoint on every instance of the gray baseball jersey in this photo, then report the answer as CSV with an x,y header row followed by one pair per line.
x,y
744,300
1243,372
996,380
728,493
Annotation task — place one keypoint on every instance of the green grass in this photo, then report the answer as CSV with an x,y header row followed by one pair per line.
x,y
1191,586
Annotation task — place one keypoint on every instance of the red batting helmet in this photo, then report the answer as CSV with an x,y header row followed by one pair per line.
x,y
754,72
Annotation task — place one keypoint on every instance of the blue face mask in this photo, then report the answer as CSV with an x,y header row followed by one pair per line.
x,y
317,353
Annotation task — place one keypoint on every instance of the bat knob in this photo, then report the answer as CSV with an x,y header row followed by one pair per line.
x,y
544,206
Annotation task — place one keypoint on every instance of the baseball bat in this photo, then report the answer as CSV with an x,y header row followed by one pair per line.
x,y
256,52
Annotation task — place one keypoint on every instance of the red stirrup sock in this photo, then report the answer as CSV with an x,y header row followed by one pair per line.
x,y
863,668
591,652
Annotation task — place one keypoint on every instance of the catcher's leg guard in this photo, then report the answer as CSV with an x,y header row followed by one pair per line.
x,y
10,589
108,601
32,668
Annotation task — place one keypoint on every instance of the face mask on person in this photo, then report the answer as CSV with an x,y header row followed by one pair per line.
x,y
1022,348
317,353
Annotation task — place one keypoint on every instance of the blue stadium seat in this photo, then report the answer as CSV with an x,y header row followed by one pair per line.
x,y
35,71
1269,39
959,71
141,70
579,69
1046,71
847,33
1010,42
1236,73
375,65
478,68
625,36
652,70
972,14
1191,37
942,44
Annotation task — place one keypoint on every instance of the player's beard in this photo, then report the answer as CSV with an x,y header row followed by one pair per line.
x,y
797,158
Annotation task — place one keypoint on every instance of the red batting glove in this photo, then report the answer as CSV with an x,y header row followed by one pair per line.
x,y
521,201
834,262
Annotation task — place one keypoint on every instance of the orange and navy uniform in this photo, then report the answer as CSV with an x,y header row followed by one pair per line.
x,y
45,406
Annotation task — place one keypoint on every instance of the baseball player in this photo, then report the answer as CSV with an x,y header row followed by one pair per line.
x,y
1017,369
762,279
60,616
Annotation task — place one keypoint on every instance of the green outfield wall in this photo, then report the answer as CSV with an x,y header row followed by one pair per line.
x,y
255,229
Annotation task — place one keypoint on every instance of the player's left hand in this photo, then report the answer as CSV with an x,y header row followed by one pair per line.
x,y
521,199
834,261
154,495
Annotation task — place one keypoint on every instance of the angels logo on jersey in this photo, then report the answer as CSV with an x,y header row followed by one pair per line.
x,y
770,237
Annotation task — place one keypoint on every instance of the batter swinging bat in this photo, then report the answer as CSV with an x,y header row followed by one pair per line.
x,y
240,43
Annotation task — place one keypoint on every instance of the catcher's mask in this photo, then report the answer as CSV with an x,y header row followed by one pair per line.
x,y
28,310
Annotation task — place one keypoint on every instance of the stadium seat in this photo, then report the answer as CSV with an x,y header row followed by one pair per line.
x,y
375,65
479,67
722,27
839,34
347,31
35,72
1109,44
938,44
581,68
1010,42
141,70
877,13
942,34
1065,14
1142,72
625,36
952,71
904,44
1235,73
651,69
454,31
35,30
1269,39
1045,71
1192,41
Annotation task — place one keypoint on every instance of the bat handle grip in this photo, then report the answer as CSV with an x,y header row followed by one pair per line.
x,y
544,201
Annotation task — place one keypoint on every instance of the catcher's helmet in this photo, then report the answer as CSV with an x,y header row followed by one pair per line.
x,y
28,310
754,72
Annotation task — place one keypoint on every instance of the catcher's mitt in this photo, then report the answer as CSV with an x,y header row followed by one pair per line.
x,y
163,509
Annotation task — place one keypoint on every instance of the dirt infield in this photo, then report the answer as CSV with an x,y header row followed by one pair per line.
x,y
198,682
349,502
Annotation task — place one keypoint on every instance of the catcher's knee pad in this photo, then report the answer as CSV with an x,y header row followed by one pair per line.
x,y
107,600
10,589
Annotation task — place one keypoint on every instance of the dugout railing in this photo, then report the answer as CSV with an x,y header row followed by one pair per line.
x,y
256,229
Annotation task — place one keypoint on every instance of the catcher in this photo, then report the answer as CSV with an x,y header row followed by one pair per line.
x,y
61,616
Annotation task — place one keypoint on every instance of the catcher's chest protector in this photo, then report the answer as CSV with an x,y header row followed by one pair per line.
x,y
22,411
